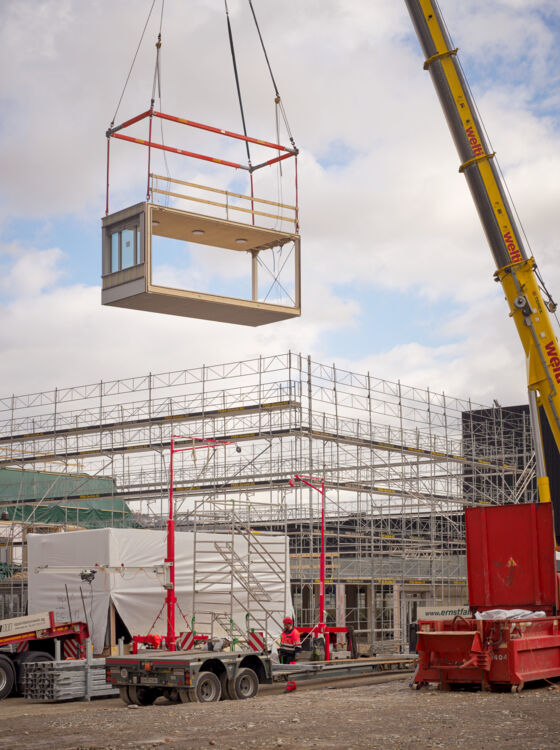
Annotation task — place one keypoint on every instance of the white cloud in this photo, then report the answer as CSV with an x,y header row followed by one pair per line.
x,y
61,335
27,272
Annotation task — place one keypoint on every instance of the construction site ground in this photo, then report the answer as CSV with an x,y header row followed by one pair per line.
x,y
380,712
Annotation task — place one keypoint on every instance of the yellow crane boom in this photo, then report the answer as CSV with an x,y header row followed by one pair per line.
x,y
516,271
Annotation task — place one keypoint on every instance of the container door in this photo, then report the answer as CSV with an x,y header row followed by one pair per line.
x,y
511,557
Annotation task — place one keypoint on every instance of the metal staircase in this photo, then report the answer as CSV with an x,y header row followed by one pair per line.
x,y
242,572
236,565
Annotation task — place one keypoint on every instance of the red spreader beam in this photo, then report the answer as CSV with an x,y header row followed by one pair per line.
x,y
163,147
127,123
219,131
114,132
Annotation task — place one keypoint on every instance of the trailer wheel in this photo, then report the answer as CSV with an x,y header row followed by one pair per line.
x,y
244,685
172,695
7,676
27,657
143,696
224,679
207,688
125,695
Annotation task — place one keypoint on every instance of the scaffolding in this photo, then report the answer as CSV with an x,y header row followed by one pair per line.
x,y
399,462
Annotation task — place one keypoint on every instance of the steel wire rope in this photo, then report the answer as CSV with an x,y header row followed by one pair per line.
x,y
275,277
279,107
237,84
133,61
276,91
157,77
157,618
157,83
183,615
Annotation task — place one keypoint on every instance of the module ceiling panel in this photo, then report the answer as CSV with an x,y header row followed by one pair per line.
x,y
232,235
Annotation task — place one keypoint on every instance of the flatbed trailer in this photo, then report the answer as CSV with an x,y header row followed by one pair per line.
x,y
32,639
206,676
188,676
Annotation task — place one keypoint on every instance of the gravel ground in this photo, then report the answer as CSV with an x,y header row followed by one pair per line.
x,y
375,713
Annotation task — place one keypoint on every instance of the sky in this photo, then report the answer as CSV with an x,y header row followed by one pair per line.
x,y
396,272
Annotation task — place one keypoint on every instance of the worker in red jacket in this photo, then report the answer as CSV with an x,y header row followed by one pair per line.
x,y
289,642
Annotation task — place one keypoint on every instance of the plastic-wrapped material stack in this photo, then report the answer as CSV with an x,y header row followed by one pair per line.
x,y
54,681
509,614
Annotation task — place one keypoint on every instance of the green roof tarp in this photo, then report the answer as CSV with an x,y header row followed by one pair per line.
x,y
17,485
49,497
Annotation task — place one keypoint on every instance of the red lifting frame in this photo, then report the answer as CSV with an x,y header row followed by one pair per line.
x,y
114,133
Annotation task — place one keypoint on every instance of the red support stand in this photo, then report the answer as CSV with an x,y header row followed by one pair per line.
x,y
170,597
321,629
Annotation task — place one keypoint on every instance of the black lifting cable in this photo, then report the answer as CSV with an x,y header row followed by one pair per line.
x,y
278,99
237,84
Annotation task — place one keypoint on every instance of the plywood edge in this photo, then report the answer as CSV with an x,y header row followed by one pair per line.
x,y
124,213
217,310
220,299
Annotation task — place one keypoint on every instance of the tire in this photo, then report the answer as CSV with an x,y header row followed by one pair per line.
x,y
230,689
244,685
172,695
143,696
7,676
224,679
27,657
185,695
207,688
125,695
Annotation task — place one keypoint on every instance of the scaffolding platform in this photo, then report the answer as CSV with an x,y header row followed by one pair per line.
x,y
400,463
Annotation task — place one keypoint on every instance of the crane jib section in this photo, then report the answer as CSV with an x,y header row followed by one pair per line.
x,y
460,111
515,269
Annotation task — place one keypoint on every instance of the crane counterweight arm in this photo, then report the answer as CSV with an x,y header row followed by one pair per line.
x,y
515,269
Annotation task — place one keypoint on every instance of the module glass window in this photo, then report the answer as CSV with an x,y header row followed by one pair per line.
x,y
125,248
115,261
128,248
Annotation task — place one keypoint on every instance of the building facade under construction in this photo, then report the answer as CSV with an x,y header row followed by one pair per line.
x,y
399,465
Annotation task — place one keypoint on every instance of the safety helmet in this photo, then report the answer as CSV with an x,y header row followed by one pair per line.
x,y
287,621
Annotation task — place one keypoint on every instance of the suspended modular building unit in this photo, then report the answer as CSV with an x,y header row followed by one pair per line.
x,y
128,262
130,237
